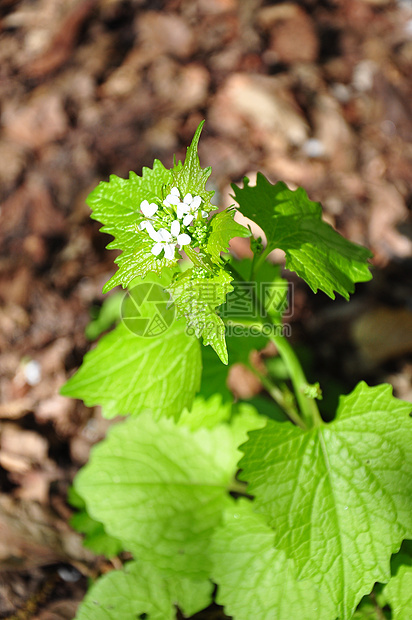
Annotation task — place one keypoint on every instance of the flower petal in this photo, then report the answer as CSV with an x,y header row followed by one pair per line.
x,y
148,209
196,203
157,248
164,235
172,199
175,228
188,199
181,209
184,239
188,219
175,191
204,214
170,250
152,232
143,224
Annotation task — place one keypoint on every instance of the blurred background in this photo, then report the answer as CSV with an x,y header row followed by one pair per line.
x,y
314,93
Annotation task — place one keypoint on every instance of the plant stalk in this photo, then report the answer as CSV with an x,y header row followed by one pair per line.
x,y
310,415
308,406
278,397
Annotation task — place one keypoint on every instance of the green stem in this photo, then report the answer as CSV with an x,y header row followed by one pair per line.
x,y
257,262
278,397
237,487
308,406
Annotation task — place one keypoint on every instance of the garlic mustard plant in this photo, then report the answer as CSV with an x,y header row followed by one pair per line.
x,y
263,508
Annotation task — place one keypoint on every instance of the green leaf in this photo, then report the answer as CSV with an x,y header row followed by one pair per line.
x,y
106,317
314,250
117,205
254,579
129,374
196,294
206,413
339,495
96,538
398,592
222,229
161,488
191,178
140,591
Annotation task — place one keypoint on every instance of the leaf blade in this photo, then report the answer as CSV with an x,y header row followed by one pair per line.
x,y
256,580
162,488
128,594
128,374
340,495
314,250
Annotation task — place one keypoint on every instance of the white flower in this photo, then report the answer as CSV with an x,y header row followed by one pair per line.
x,y
148,210
173,198
166,240
188,209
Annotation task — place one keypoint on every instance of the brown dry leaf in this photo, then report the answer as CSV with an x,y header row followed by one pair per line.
x,y
40,121
59,610
63,41
242,382
19,442
165,33
15,589
93,431
217,7
383,333
388,209
13,159
293,37
34,485
260,103
31,536
334,134
17,408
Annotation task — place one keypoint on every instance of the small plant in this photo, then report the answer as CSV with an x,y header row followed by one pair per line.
x,y
291,517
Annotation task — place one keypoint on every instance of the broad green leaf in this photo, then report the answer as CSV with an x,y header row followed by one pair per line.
x,y
106,316
206,413
129,374
161,488
222,229
398,592
256,580
191,178
340,495
314,250
96,538
196,294
117,205
139,591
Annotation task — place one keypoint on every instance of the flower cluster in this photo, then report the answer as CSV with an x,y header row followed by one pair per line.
x,y
163,224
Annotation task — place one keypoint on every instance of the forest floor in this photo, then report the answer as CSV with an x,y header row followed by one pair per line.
x,y
316,94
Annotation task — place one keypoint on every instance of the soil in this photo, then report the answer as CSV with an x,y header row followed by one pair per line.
x,y
312,93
